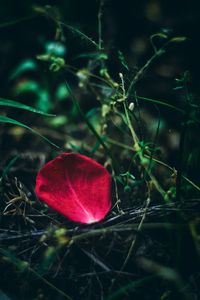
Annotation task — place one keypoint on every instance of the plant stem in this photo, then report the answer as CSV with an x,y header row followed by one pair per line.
x,y
173,170
92,129
100,14
182,139
137,148
143,69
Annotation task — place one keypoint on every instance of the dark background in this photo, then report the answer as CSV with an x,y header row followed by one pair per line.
x,y
124,23
127,26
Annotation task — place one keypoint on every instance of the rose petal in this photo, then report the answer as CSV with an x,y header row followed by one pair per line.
x,y
75,186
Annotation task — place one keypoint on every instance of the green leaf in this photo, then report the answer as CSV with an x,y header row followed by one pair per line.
x,y
160,35
26,65
62,92
58,121
28,86
4,119
55,48
92,112
12,103
178,39
122,60
161,103
93,55
130,286
23,266
10,257
15,21
9,165
43,101
4,296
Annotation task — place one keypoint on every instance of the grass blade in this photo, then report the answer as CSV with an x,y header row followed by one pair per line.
x,y
132,285
4,119
12,103
16,21
161,103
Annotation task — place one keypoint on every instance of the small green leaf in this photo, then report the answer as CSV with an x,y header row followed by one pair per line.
x,y
26,86
9,165
10,257
55,48
57,64
105,110
26,65
12,103
58,121
43,101
62,92
122,60
159,35
92,112
178,39
93,55
4,119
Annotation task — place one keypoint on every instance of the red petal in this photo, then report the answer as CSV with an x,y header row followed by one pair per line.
x,y
75,186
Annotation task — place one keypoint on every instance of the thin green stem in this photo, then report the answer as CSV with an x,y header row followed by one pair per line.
x,y
50,284
140,73
80,33
183,139
14,22
137,147
92,129
161,103
100,15
173,170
